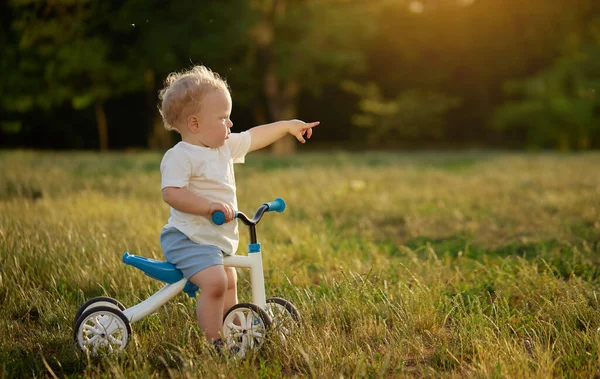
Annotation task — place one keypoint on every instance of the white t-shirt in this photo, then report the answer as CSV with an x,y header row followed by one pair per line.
x,y
207,172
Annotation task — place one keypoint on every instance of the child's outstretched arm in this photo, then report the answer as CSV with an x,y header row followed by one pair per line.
x,y
264,135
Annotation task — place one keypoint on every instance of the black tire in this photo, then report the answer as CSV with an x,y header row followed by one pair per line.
x,y
101,310
103,299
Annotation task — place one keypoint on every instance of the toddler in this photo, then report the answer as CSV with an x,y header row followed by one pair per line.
x,y
197,179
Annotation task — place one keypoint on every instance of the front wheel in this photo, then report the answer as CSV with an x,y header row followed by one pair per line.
x,y
244,328
284,314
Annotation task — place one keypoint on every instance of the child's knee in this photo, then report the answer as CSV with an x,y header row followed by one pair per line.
x,y
216,286
212,281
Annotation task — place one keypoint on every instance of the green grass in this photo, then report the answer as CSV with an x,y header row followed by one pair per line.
x,y
444,265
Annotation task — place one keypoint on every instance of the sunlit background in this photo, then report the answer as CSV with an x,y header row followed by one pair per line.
x,y
378,74
435,226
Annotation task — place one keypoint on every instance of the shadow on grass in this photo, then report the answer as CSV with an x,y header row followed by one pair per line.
x,y
564,259
60,357
59,353
11,189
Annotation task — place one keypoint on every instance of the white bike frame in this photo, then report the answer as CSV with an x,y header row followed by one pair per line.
x,y
253,261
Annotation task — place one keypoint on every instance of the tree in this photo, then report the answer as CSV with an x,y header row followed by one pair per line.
x,y
410,60
169,36
559,107
411,115
468,52
305,45
66,53
274,50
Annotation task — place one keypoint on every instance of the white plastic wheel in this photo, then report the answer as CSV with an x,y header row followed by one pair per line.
x,y
102,329
244,328
284,315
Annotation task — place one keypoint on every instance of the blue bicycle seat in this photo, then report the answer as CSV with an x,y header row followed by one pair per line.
x,y
160,270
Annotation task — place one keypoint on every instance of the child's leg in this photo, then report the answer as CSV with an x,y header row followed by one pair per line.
x,y
212,282
231,298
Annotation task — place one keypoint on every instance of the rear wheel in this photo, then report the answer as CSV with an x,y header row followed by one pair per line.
x,y
102,329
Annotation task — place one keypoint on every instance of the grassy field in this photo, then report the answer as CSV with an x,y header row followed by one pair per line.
x,y
438,265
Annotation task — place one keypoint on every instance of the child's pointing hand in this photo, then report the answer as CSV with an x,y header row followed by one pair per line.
x,y
300,129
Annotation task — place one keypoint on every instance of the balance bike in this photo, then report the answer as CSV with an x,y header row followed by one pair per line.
x,y
104,324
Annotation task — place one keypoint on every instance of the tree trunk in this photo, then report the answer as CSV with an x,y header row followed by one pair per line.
x,y
281,97
159,138
260,116
282,106
102,126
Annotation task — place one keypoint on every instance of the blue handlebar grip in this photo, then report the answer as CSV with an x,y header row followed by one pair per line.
x,y
277,205
218,217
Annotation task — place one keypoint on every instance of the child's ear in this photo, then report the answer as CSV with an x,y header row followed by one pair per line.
x,y
192,124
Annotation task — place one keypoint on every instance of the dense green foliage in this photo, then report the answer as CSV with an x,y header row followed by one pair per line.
x,y
559,106
437,265
491,72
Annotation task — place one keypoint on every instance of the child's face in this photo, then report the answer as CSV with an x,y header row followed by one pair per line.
x,y
213,119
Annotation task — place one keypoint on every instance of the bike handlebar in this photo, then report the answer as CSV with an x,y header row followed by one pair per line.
x,y
277,205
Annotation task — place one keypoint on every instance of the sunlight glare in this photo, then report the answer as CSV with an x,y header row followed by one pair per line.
x,y
416,7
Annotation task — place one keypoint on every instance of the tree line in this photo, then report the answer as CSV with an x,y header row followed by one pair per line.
x,y
84,74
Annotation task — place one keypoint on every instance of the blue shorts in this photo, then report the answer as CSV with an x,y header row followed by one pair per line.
x,y
187,255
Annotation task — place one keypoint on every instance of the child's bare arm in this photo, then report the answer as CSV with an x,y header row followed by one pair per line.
x,y
185,201
264,135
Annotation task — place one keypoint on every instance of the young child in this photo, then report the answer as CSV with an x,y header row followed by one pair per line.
x,y
198,179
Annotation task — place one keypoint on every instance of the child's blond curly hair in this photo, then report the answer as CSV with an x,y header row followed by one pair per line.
x,y
184,91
